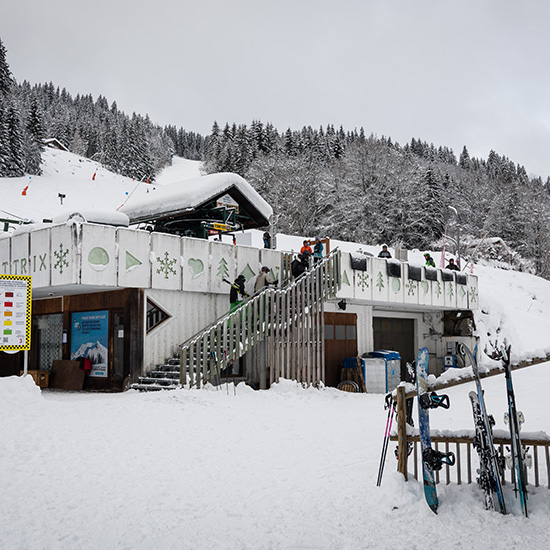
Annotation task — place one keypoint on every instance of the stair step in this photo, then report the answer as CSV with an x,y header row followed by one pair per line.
x,y
167,368
151,387
175,375
158,381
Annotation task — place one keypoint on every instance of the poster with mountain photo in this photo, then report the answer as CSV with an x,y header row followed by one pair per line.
x,y
90,339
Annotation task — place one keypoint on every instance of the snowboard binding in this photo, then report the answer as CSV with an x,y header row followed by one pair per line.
x,y
435,459
433,401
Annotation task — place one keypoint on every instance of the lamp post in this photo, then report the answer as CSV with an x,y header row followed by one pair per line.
x,y
453,209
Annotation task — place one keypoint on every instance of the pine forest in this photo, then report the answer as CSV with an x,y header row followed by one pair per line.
x,y
327,181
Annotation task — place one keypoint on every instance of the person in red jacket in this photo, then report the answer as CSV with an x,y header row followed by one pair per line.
x,y
306,247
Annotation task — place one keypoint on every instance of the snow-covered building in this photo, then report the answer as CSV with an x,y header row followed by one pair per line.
x,y
135,296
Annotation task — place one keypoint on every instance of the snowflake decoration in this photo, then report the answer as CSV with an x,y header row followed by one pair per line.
x,y
462,292
411,288
473,294
166,266
61,257
438,289
363,281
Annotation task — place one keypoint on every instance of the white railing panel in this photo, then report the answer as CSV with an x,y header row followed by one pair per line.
x,y
39,258
134,266
20,254
5,256
99,255
196,271
165,261
223,266
65,254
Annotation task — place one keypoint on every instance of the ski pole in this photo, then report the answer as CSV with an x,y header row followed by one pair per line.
x,y
389,420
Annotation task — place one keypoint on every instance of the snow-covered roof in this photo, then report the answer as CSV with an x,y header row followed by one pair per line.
x,y
188,195
93,216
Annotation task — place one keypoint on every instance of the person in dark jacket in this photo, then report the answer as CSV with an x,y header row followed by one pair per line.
x,y
237,288
267,240
299,265
384,253
318,250
452,265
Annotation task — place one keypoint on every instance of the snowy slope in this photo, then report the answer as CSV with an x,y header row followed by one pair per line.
x,y
85,184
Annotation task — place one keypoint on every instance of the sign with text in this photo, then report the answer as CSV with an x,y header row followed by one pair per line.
x,y
90,339
15,312
227,201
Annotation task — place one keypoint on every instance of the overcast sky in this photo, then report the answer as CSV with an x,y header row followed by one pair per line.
x,y
450,72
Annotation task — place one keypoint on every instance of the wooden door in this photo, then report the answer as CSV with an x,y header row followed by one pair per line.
x,y
340,343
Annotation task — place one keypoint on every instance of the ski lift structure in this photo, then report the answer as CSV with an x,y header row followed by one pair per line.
x,y
216,204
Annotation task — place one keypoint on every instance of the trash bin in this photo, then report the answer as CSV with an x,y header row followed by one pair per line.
x,y
382,371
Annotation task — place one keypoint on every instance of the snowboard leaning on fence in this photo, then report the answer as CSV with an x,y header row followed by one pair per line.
x,y
514,419
432,460
490,462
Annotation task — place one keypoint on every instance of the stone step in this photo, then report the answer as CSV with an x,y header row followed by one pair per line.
x,y
165,382
167,368
163,374
151,387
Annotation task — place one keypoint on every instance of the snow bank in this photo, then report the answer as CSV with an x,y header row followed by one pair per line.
x,y
19,391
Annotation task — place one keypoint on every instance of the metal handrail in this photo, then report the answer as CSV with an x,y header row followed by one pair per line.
x,y
233,334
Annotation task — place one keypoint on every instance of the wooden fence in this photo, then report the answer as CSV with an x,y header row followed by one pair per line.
x,y
464,471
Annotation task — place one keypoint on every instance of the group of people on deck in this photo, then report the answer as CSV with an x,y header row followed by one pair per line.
x,y
430,262
299,266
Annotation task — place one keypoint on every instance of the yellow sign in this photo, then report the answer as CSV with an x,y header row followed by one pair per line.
x,y
220,226
15,312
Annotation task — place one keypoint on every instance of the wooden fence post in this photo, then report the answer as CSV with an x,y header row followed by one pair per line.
x,y
401,432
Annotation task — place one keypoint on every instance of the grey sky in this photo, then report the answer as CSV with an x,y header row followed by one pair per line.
x,y
451,72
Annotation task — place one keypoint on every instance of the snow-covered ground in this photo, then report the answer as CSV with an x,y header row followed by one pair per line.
x,y
286,468
233,468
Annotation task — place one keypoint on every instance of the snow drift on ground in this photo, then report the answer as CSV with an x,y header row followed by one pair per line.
x,y
233,468
285,468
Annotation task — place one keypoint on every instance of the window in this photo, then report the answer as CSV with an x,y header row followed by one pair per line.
x,y
155,315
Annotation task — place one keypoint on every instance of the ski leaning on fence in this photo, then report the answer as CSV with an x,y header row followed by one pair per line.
x,y
432,459
514,418
490,462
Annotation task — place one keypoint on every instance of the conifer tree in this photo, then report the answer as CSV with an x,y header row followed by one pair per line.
x,y
16,158
6,80
34,139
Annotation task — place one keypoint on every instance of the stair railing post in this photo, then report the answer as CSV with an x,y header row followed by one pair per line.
x,y
401,432
183,366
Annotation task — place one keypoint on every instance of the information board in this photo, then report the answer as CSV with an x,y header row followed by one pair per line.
x,y
15,312
90,339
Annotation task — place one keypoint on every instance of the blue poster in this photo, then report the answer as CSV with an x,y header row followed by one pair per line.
x,y
90,339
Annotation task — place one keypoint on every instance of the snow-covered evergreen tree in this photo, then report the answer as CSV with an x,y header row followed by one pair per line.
x,y
16,155
34,139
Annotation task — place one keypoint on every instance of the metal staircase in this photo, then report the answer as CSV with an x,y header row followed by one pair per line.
x,y
278,332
